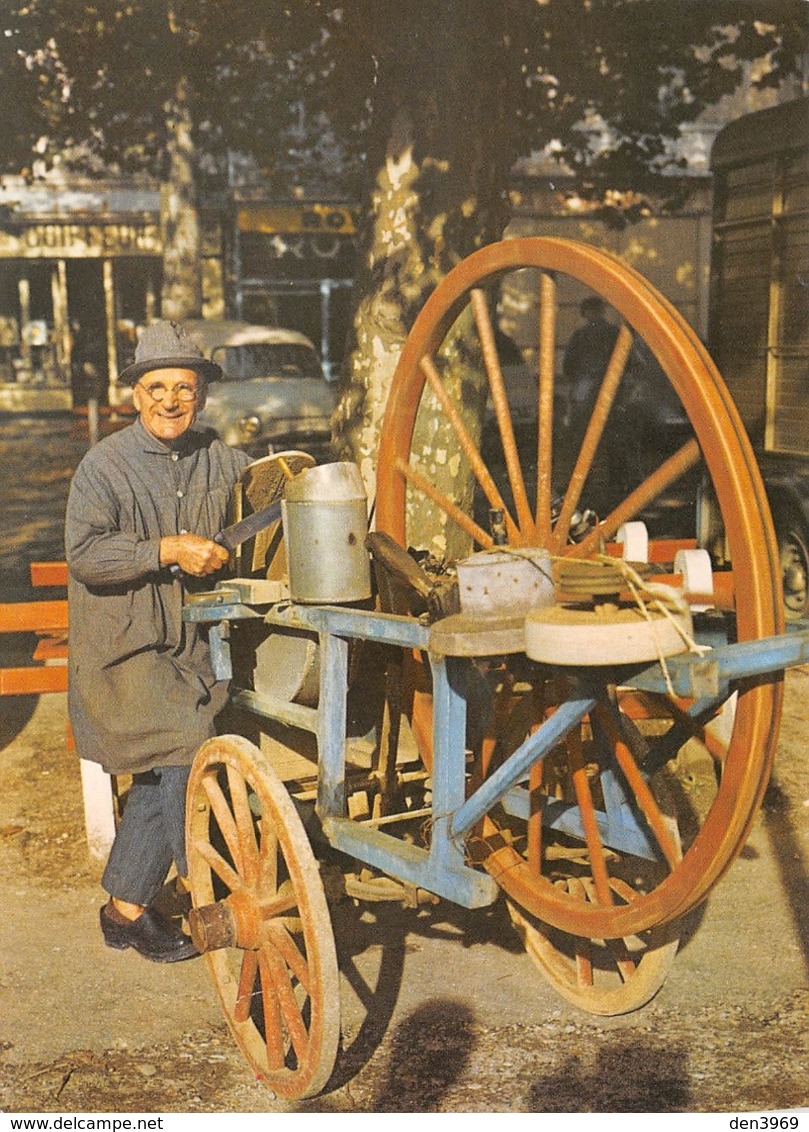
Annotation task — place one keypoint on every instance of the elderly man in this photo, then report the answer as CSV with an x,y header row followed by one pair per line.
x,y
144,506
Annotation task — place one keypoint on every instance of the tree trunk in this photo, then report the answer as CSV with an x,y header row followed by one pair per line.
x,y
438,194
182,251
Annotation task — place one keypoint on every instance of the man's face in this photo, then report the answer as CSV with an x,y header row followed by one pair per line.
x,y
163,397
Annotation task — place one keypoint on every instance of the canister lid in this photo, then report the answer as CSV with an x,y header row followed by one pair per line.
x,y
326,483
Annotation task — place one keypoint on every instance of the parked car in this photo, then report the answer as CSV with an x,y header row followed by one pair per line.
x,y
274,394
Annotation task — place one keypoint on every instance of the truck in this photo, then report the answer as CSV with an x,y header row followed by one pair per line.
x,y
758,328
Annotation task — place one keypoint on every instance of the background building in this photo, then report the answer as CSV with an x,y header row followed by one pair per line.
x,y
80,270
81,261
292,263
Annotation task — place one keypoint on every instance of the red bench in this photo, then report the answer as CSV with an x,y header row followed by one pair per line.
x,y
48,620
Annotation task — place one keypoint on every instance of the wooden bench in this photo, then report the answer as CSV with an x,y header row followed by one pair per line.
x,y
48,620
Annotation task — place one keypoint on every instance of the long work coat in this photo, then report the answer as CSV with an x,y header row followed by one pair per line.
x,y
142,692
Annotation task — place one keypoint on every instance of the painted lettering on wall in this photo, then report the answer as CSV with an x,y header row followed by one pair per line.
x,y
82,240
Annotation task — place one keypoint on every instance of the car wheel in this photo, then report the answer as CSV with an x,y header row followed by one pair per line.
x,y
793,541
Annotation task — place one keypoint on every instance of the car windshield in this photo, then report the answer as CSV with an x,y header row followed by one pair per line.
x,y
267,359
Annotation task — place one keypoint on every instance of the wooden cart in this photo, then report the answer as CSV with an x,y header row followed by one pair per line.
x,y
498,768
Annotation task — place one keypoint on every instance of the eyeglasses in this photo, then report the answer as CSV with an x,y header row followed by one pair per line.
x,y
158,392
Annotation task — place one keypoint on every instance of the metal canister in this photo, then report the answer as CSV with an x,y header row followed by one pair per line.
x,y
325,514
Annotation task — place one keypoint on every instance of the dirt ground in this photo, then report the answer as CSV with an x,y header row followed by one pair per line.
x,y
442,1010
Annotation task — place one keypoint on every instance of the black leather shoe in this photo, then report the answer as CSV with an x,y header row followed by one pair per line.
x,y
151,935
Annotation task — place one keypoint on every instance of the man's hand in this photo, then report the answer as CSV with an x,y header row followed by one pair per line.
x,y
193,554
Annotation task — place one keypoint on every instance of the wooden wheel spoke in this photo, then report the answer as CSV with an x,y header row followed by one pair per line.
x,y
225,819
582,948
293,924
575,886
283,901
592,437
268,856
218,863
627,966
245,828
639,786
534,831
467,444
647,705
502,411
500,710
626,892
547,367
273,1024
584,798
654,485
275,970
588,884
247,986
294,958
447,506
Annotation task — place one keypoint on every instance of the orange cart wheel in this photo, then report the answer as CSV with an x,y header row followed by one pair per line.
x,y
544,491
260,916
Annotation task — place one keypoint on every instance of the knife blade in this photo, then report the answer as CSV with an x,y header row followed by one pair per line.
x,y
240,532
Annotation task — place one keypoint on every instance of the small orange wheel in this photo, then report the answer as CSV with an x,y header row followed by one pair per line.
x,y
261,916
603,976
587,766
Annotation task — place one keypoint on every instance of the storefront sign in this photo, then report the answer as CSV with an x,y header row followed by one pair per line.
x,y
333,219
297,241
65,241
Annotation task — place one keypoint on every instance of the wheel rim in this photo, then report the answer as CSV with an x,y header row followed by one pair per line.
x,y
722,444
795,569
250,863
604,977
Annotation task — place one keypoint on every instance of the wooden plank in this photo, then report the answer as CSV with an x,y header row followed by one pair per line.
x,y
33,616
51,649
33,681
461,635
48,573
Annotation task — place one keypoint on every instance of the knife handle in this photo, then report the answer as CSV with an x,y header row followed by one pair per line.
x,y
219,538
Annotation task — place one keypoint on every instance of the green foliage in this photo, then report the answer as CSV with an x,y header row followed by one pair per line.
x,y
106,74
641,68
101,76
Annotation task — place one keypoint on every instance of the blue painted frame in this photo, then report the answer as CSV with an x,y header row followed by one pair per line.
x,y
442,869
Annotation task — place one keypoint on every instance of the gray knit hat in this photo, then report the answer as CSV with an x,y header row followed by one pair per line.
x,y
168,345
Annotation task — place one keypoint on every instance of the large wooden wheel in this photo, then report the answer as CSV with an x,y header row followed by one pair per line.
x,y
597,763
260,916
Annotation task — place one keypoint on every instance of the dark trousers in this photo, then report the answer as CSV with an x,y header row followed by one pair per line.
x,y
150,837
